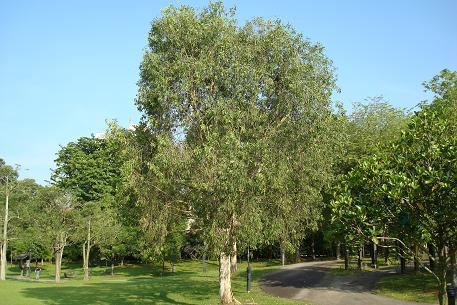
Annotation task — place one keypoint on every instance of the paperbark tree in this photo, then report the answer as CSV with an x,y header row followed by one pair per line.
x,y
223,96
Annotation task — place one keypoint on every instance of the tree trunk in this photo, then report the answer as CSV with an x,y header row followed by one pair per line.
x,y
297,255
233,259
313,251
163,264
359,259
122,261
204,262
283,256
225,287
86,255
4,244
112,268
442,273
386,253
416,258
59,253
338,250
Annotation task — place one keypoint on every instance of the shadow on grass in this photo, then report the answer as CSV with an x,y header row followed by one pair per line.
x,y
159,290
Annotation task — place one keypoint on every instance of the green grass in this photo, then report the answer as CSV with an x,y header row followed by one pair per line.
x,y
136,285
420,287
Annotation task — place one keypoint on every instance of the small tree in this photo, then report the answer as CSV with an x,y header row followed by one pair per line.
x,y
58,222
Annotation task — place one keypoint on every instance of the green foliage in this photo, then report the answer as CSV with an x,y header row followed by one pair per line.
x,y
246,110
89,167
408,188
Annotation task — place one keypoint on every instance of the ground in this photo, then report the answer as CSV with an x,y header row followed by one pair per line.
x,y
318,283
137,285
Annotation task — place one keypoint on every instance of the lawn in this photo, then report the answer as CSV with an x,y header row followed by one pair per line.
x,y
137,285
420,287
416,287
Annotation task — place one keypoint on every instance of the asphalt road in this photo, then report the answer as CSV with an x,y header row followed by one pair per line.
x,y
312,282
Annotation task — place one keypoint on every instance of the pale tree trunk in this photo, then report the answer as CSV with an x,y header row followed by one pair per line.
x,y
4,245
233,259
86,255
359,259
204,262
297,255
386,253
313,251
442,273
58,250
338,250
416,258
225,286
59,253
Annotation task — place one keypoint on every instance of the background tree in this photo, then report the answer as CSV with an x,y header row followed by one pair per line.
x,y
8,177
410,187
59,221
89,168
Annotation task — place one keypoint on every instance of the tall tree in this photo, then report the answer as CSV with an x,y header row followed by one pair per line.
x,y
225,95
8,176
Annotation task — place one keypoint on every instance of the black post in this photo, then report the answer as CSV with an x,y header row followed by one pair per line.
x,y
248,274
402,264
451,292
248,278
374,256
431,255
346,258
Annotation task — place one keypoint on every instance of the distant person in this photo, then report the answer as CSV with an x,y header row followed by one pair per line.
x,y
37,273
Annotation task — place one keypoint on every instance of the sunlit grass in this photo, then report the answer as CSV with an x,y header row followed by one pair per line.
x,y
136,285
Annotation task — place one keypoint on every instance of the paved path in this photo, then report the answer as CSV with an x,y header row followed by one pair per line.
x,y
312,282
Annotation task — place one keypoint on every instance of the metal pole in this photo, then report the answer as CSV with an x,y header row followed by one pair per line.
x,y
248,274
451,292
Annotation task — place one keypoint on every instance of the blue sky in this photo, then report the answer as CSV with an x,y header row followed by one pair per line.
x,y
67,66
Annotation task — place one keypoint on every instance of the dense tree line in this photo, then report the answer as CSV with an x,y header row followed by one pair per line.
x,y
405,190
